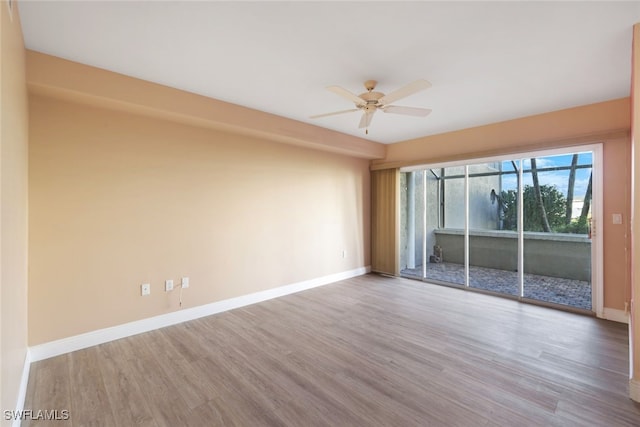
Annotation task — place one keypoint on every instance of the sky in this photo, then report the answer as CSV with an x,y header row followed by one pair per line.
x,y
558,178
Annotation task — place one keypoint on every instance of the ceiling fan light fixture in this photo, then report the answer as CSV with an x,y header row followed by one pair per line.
x,y
370,101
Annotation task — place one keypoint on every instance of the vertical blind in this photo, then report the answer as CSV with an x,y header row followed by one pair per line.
x,y
384,210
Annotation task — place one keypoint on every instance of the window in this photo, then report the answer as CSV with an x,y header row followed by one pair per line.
x,y
514,226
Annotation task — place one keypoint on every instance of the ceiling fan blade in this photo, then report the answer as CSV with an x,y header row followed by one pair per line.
x,y
365,121
348,95
408,111
405,91
335,113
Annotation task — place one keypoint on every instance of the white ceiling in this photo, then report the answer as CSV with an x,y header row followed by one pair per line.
x,y
487,61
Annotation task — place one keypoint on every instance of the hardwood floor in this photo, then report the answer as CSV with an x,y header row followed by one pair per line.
x,y
369,351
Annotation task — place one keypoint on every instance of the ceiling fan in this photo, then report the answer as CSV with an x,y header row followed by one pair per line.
x,y
370,101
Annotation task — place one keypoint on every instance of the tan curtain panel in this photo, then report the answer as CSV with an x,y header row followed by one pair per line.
x,y
384,221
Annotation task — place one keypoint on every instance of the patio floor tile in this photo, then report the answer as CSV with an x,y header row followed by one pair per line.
x,y
574,293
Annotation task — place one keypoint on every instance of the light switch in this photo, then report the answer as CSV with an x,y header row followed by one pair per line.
x,y
616,218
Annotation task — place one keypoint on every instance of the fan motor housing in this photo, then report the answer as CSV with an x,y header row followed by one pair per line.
x,y
371,97
370,101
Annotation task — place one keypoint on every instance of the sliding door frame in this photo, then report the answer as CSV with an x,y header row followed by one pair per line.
x,y
597,291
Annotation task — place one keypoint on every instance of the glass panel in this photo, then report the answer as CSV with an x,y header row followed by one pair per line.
x,y
412,224
433,218
445,225
557,245
493,236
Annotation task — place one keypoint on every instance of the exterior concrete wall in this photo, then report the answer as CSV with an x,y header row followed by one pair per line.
x,y
405,217
403,221
433,207
547,254
453,197
484,214
432,215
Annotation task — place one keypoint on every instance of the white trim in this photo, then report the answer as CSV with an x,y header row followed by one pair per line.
x,y
22,391
615,315
570,149
520,227
466,225
597,246
634,390
89,339
424,223
630,328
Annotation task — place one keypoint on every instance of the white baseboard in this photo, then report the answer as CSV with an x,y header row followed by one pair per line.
x,y
22,391
615,315
89,339
634,390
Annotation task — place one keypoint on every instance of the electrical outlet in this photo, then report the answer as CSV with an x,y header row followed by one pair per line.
x,y
145,289
185,282
168,285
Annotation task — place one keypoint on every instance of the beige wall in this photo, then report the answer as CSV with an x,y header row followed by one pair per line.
x,y
69,80
118,199
617,238
607,122
13,213
555,129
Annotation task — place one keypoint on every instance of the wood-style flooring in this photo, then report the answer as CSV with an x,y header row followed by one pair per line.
x,y
369,351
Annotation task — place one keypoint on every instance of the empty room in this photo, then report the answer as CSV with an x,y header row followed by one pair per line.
x,y
371,213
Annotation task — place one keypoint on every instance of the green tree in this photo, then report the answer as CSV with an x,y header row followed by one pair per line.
x,y
586,206
570,187
554,204
509,216
540,202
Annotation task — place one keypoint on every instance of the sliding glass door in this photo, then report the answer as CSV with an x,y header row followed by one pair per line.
x,y
515,226
557,213
493,236
448,262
